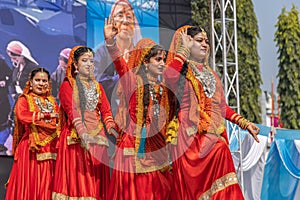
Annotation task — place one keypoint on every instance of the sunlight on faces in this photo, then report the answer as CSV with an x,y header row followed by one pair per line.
x,y
40,83
156,64
85,64
200,48
124,20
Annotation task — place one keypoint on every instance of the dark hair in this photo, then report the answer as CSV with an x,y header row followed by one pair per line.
x,y
156,49
180,88
79,52
39,69
194,30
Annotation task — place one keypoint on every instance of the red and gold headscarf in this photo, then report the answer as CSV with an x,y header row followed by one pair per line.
x,y
137,56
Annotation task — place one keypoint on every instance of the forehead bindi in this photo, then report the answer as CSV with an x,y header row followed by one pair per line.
x,y
201,36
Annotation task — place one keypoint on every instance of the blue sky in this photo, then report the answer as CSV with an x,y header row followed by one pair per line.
x,y
267,12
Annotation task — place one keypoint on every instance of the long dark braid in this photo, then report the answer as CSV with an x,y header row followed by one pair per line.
x,y
180,88
156,49
82,99
146,95
192,31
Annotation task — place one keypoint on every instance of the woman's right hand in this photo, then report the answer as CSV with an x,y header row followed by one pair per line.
x,y
110,31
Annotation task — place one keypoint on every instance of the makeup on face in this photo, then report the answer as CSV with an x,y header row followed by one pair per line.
x,y
85,64
40,83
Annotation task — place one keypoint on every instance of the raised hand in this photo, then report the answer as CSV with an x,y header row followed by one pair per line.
x,y
186,39
110,31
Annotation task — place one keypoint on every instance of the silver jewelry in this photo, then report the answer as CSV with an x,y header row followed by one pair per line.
x,y
153,96
91,96
207,80
47,108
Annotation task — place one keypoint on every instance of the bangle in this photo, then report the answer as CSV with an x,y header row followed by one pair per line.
x,y
243,123
183,51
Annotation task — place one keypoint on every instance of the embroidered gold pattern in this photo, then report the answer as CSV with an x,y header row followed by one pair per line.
x,y
128,151
101,140
220,184
139,168
233,116
32,106
139,114
71,140
46,156
218,130
59,196
205,117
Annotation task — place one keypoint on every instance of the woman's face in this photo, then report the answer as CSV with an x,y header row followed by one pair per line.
x,y
40,83
85,64
156,64
200,48
124,20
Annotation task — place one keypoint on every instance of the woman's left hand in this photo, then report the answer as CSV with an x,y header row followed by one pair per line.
x,y
254,131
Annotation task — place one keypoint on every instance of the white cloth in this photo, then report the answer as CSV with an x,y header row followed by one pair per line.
x,y
253,161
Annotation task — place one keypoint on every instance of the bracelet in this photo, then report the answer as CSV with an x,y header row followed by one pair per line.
x,y
184,51
244,123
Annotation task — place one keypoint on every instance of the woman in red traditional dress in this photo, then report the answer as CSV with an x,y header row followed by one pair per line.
x,y
34,140
82,167
202,164
141,168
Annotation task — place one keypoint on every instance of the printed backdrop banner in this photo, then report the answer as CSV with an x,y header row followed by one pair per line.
x,y
45,28
146,13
